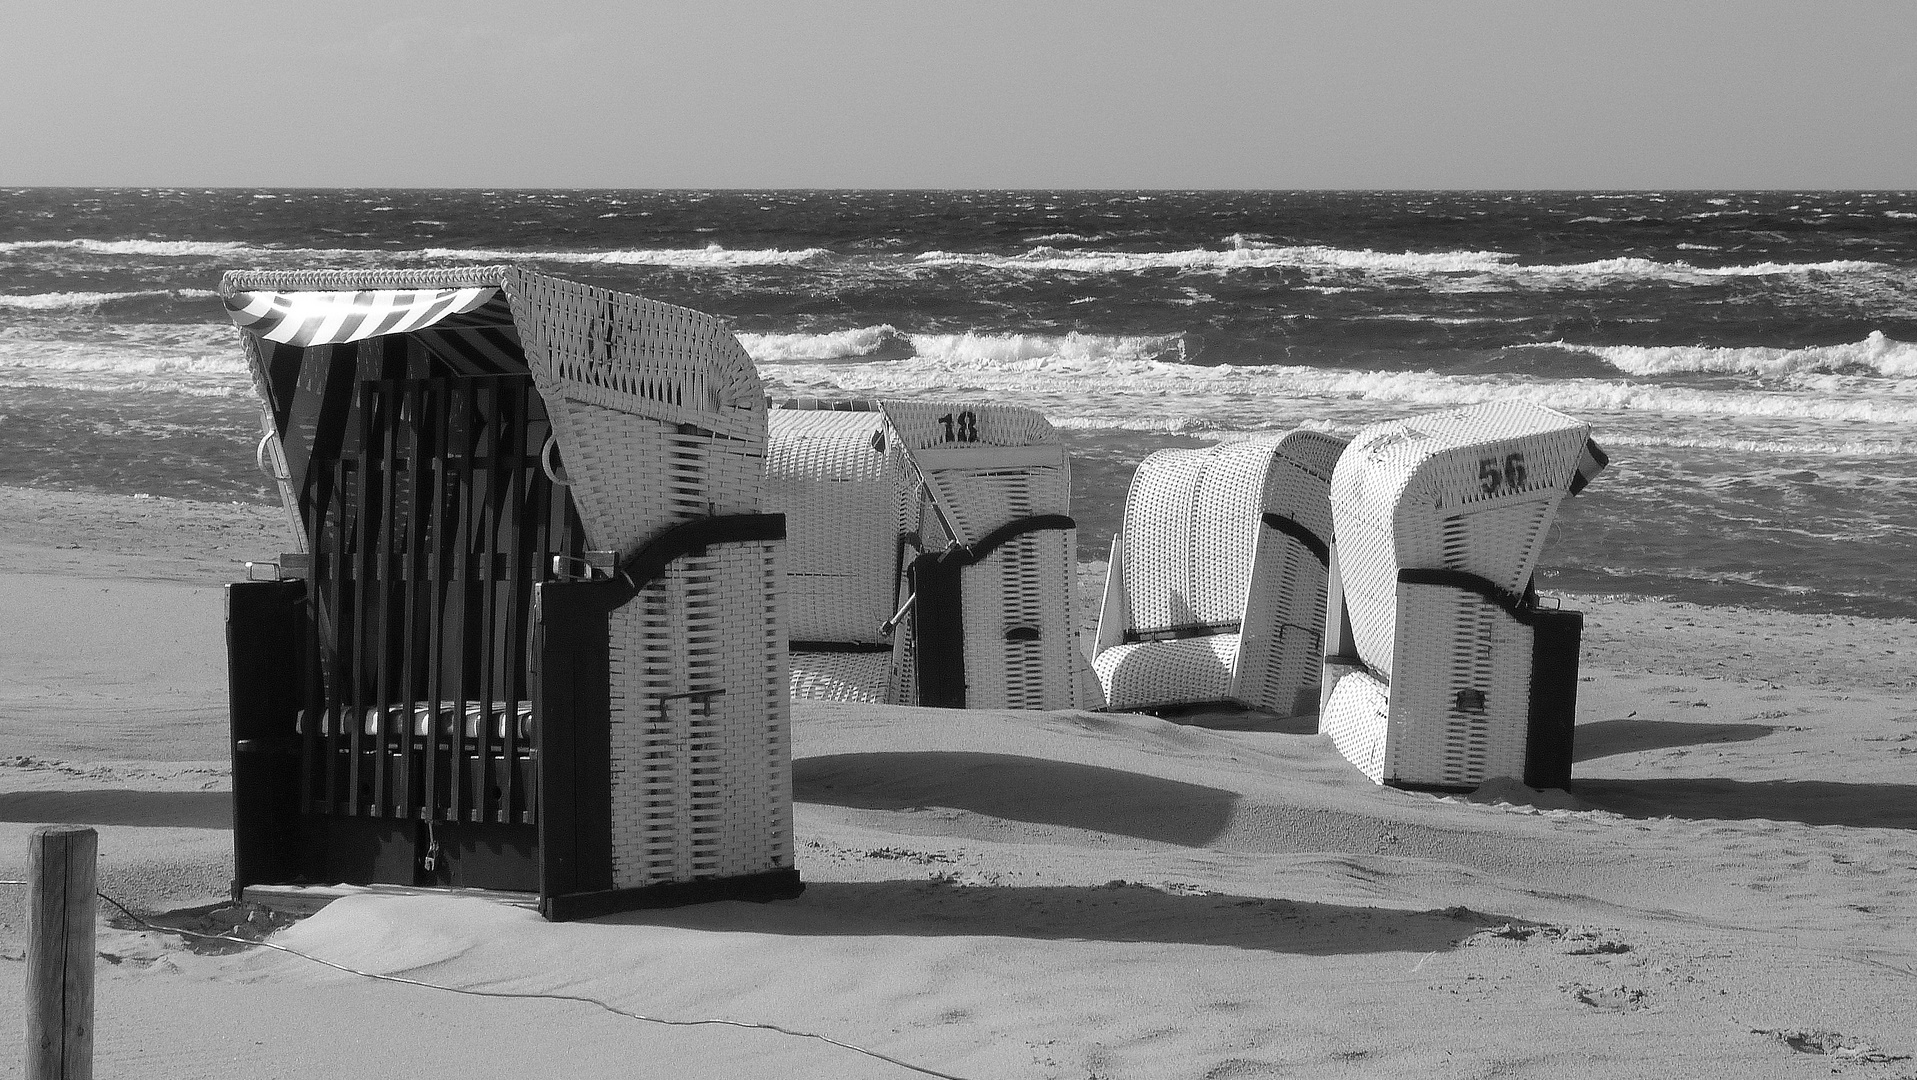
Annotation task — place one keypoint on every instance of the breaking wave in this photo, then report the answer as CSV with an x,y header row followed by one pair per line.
x,y
949,351
1245,254
1876,353
1238,253
81,301
712,255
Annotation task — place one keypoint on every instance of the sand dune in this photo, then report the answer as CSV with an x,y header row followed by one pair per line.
x,y
1729,887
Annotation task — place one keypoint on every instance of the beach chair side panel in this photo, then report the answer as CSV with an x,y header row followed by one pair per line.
x,y
661,421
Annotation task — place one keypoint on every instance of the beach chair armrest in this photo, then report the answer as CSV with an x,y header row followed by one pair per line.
x,y
1517,607
649,563
1004,534
1114,615
1317,545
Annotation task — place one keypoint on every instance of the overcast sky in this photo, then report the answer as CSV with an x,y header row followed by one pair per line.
x,y
857,93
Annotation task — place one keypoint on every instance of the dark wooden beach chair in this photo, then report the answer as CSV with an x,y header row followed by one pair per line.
x,y
530,637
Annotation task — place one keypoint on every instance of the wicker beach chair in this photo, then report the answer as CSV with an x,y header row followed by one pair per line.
x,y
843,496
1441,669
514,496
1216,588
932,553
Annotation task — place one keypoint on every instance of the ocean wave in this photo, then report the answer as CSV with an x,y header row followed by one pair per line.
x,y
1809,446
199,360
74,301
133,386
1468,269
711,255
1247,254
864,343
1116,390
124,365
1052,350
960,351
1584,396
1875,353
169,248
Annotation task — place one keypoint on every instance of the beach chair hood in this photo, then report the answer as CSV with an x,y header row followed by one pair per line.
x,y
311,334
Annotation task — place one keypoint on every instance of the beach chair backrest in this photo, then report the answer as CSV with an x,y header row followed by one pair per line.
x,y
989,517
1471,490
1193,519
829,473
602,359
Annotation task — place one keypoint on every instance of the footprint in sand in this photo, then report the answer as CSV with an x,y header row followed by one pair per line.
x,y
1610,998
1828,1042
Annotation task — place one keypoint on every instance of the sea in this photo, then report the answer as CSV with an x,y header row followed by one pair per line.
x,y
1747,359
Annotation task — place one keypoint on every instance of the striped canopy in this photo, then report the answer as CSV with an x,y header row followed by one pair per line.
x,y
336,318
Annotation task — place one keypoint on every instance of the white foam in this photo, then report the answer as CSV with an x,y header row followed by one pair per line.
x,y
1456,269
1594,395
1247,254
1116,391
66,301
200,359
1244,255
1845,448
839,345
1875,353
1047,351
133,247
966,351
710,256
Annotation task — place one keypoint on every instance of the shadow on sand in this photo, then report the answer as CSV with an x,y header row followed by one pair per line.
x,y
1608,737
1113,913
153,809
1813,802
1018,788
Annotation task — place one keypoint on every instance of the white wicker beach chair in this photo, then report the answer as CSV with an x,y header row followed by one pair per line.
x,y
843,496
932,554
1441,670
1216,589
460,448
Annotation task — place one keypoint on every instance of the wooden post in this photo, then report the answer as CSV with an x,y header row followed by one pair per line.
x,y
60,885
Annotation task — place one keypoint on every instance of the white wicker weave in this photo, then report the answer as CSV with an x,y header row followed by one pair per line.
x,y
866,491
661,420
842,493
1426,684
980,467
1206,601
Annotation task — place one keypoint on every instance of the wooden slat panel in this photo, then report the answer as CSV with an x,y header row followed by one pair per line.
x,y
384,554
422,578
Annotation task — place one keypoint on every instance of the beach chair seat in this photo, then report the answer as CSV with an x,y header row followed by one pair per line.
x,y
510,488
1216,588
1442,670
392,719
931,553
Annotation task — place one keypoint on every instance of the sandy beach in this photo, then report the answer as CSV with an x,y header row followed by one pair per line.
x,y
1729,887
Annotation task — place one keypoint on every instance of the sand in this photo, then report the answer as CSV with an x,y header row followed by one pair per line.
x,y
1729,888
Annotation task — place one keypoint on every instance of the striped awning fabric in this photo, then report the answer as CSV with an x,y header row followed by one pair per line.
x,y
335,318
